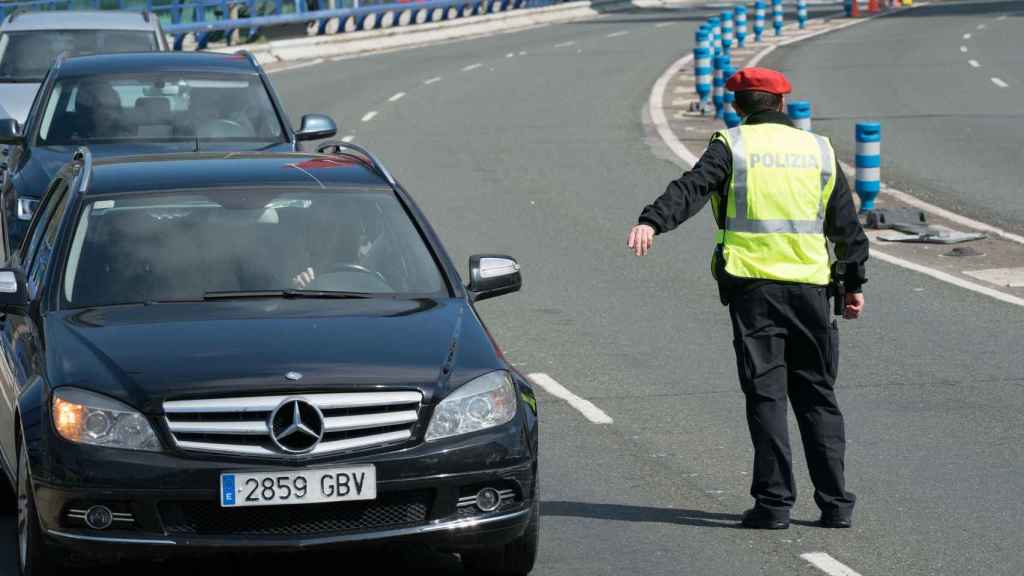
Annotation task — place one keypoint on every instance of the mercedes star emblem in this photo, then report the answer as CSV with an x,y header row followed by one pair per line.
x,y
296,426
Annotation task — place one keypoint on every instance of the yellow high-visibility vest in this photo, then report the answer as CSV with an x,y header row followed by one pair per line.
x,y
773,228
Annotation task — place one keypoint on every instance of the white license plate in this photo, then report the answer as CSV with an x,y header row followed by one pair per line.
x,y
298,487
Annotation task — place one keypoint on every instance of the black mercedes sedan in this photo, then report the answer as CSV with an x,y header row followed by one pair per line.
x,y
141,103
241,351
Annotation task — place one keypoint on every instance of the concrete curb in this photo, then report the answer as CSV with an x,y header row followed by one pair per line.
x,y
388,39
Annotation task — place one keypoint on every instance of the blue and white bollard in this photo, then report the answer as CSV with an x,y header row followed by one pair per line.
x,y
868,163
727,31
702,38
800,114
716,34
718,95
741,25
732,119
777,16
703,75
759,14
801,13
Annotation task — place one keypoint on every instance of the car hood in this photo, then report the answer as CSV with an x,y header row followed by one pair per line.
x,y
144,355
16,98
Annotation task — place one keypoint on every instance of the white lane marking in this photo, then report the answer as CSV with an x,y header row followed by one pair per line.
x,y
348,138
522,52
656,109
828,564
945,277
1009,277
1001,18
369,115
963,48
585,407
471,67
999,82
981,26
510,55
664,24
297,66
617,34
430,81
397,97
974,63
565,44
967,36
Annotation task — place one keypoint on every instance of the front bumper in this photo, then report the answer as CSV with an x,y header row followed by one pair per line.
x,y
173,498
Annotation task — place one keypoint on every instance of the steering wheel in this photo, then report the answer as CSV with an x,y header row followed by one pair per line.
x,y
350,267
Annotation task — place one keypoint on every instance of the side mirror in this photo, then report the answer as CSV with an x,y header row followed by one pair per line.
x,y
13,294
10,132
316,127
493,275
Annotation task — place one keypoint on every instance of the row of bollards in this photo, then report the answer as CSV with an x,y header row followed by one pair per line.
x,y
715,40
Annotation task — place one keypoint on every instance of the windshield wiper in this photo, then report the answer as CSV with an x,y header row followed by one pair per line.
x,y
242,294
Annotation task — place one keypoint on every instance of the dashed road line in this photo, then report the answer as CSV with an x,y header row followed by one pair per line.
x,y
565,44
348,138
397,97
585,407
974,63
617,34
1001,18
981,26
471,67
369,115
967,36
430,81
999,82
828,564
510,55
963,48
522,52
664,24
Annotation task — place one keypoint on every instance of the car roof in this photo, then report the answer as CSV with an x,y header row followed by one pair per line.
x,y
142,62
77,20
211,170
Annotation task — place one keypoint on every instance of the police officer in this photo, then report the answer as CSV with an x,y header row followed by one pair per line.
x,y
779,198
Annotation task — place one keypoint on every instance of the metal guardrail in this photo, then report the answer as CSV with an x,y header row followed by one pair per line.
x,y
205,20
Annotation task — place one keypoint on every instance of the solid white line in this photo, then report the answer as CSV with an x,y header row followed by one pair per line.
x,y
945,277
974,63
565,44
297,66
656,109
432,80
585,407
617,34
664,24
999,82
370,115
348,138
471,67
397,97
963,48
828,564
967,36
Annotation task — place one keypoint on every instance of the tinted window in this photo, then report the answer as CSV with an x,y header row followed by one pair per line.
x,y
26,56
41,261
160,107
181,246
30,243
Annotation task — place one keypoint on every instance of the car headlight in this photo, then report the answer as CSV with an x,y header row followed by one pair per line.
x,y
485,402
89,418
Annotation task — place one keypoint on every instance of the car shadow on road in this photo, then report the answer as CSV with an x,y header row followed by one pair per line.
x,y
628,513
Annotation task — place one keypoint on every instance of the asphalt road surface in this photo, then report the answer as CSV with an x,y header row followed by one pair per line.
x,y
535,147
946,82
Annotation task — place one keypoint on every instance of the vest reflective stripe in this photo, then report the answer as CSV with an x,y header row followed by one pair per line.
x,y
772,224
741,223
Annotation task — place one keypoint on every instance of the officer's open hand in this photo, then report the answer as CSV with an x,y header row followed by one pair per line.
x,y
854,305
641,238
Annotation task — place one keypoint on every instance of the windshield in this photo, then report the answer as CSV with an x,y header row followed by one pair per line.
x,y
159,108
190,245
26,56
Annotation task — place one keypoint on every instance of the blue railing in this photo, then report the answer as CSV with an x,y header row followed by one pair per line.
x,y
205,20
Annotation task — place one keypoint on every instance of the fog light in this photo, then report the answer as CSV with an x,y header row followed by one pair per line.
x,y
488,500
99,518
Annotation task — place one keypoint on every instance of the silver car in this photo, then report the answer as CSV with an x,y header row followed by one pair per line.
x,y
29,42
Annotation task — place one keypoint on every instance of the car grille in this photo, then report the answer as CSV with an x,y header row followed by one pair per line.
x,y
354,420
209,519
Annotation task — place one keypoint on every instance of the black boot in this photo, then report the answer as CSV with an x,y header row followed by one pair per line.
x,y
764,519
835,520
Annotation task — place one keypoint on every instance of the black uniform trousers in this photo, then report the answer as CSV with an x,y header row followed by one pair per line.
x,y
787,344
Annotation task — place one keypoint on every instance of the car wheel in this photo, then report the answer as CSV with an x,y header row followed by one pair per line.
x,y
35,557
513,559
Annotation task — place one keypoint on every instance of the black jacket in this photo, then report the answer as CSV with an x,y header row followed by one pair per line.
x,y
686,196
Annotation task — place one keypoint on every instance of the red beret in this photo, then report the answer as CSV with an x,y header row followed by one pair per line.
x,y
759,79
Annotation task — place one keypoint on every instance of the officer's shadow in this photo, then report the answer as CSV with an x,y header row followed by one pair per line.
x,y
627,513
